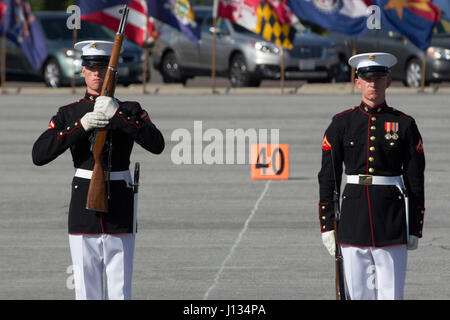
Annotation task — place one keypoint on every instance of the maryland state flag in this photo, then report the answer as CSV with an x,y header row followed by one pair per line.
x,y
270,26
271,19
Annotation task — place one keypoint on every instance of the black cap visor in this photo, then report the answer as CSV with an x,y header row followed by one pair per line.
x,y
372,71
89,61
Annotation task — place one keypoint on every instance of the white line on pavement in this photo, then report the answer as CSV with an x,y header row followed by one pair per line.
x,y
238,239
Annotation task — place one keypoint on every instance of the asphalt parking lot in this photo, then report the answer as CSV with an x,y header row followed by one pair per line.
x,y
210,231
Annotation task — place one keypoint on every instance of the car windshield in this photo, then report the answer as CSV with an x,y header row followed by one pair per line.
x,y
56,29
240,29
442,28
300,28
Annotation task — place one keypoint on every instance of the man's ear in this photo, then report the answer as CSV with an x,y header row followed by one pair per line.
x,y
388,83
358,82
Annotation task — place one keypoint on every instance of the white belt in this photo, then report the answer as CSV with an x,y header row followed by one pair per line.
x,y
379,180
114,175
383,180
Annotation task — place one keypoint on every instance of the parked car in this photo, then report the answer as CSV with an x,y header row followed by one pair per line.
x,y
63,60
242,56
410,58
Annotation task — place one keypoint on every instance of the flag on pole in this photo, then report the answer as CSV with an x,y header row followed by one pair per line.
x,y
107,14
176,13
20,25
414,19
271,19
345,16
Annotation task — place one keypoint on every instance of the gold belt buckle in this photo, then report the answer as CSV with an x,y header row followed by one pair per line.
x,y
365,179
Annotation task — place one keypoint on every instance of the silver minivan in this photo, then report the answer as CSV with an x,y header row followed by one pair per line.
x,y
242,56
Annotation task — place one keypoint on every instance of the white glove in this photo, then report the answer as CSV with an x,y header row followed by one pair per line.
x,y
93,120
106,106
329,242
413,242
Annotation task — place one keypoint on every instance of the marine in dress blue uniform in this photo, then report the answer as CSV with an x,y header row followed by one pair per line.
x,y
383,205
100,240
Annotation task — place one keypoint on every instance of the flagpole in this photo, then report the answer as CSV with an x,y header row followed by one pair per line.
x,y
282,70
213,62
74,40
352,72
424,65
3,76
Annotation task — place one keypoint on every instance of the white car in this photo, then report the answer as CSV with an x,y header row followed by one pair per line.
x,y
242,56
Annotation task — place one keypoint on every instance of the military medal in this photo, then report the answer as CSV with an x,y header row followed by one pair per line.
x,y
391,129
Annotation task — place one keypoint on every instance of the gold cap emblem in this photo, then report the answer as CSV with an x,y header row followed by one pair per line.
x,y
372,57
94,45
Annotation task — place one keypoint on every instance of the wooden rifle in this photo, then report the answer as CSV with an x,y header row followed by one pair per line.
x,y
339,261
96,198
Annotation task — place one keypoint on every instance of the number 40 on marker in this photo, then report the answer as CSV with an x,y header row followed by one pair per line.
x,y
270,161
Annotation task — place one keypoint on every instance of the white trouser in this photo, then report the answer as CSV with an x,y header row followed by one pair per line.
x,y
375,273
93,254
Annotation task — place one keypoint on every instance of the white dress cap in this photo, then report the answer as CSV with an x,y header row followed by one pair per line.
x,y
380,59
94,47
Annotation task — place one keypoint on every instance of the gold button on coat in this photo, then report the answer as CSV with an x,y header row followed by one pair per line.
x,y
372,138
371,170
372,148
371,159
373,128
373,118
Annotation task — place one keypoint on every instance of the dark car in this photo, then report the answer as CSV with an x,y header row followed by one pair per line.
x,y
63,60
243,56
410,58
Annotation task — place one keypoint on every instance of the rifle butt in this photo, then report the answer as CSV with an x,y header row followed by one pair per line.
x,y
96,199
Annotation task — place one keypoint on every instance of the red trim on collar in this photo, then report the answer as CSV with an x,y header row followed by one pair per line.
x,y
345,112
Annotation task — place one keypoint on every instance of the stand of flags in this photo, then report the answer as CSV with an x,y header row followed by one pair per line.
x,y
19,24
414,19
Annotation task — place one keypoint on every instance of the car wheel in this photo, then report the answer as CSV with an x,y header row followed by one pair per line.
x,y
170,70
413,73
52,74
238,73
